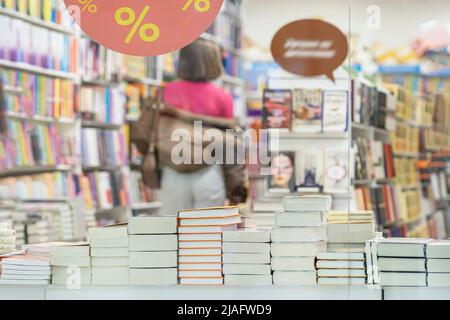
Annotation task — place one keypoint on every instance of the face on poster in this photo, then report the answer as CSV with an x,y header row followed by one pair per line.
x,y
144,27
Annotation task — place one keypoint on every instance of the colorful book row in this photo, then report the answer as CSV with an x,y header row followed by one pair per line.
x,y
103,104
106,190
29,145
39,95
47,10
107,148
52,185
23,42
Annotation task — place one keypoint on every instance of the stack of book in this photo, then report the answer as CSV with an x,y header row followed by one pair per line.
x,y
20,233
25,269
30,267
7,238
153,248
402,262
438,263
110,256
39,231
341,268
298,236
350,229
344,263
246,257
68,259
200,243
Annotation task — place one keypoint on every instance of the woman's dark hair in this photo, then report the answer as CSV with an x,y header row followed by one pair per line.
x,y
200,61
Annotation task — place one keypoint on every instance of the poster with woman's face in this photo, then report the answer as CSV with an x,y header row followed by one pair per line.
x,y
282,172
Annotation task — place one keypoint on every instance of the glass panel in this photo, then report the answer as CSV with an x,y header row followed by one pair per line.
x,y
400,131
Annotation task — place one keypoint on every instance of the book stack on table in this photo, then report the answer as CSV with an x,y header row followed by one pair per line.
x,y
7,238
438,263
153,250
69,259
402,262
246,257
110,255
200,243
298,236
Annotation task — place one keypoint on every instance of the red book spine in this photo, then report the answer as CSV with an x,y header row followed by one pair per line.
x,y
387,205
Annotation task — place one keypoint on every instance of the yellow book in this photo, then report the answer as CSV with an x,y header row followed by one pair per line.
x,y
86,192
34,8
57,98
10,4
126,136
22,6
26,156
47,10
47,146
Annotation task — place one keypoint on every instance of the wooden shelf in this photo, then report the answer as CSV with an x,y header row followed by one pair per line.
x,y
37,70
37,118
310,135
103,168
28,170
147,81
37,22
100,125
146,206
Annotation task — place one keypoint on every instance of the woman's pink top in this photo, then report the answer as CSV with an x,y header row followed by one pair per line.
x,y
203,98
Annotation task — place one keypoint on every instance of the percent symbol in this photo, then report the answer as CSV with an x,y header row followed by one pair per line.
x,y
130,19
88,4
201,6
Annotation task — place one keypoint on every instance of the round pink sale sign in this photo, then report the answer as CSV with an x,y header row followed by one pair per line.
x,y
144,27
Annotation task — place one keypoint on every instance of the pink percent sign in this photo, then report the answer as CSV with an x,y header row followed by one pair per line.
x,y
144,27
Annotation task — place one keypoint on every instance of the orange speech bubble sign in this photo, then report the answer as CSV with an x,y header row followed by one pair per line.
x,y
310,48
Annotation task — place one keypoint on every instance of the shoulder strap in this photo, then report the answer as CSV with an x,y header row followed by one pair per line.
x,y
157,106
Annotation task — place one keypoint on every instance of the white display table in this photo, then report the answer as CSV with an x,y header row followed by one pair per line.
x,y
215,293
22,292
223,293
416,293
191,293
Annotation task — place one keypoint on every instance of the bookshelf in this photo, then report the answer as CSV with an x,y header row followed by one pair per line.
x,y
41,128
93,72
304,147
402,123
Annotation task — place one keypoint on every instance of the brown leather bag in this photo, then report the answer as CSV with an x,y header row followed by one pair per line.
x,y
143,133
152,134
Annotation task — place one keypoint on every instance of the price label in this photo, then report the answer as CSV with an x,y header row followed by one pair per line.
x,y
144,27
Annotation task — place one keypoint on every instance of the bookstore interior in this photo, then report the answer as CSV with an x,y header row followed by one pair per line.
x,y
349,197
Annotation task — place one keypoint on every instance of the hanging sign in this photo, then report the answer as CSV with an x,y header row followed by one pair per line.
x,y
144,27
310,47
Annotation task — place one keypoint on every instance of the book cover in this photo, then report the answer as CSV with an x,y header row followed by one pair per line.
x,y
309,170
335,111
282,173
307,110
277,105
336,170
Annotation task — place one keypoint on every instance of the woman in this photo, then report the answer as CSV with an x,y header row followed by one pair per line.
x,y
199,64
